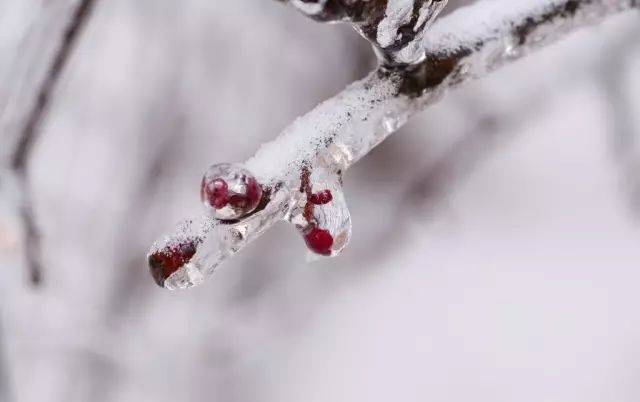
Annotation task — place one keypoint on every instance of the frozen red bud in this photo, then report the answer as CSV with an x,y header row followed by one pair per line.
x,y
321,198
319,241
229,191
215,192
165,262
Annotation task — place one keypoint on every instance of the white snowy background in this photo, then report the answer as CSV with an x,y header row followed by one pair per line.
x,y
496,243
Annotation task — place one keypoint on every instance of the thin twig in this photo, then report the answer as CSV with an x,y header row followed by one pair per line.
x,y
31,129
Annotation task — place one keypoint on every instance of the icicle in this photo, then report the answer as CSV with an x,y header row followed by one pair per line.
x,y
320,213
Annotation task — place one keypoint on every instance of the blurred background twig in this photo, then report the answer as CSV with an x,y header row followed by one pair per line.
x,y
24,106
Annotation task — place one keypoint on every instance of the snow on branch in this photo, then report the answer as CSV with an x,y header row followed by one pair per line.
x,y
300,171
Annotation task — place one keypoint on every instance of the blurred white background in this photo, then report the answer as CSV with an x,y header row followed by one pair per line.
x,y
496,243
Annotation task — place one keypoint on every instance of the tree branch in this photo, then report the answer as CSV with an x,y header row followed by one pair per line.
x,y
468,44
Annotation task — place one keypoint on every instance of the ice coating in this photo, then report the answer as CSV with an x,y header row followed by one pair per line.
x,y
399,34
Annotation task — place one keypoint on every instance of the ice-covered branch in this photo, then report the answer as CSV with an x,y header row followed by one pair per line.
x,y
310,156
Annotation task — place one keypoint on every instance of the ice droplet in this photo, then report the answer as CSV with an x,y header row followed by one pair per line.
x,y
229,191
320,214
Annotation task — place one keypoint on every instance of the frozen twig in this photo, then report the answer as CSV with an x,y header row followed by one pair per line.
x,y
25,104
468,44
